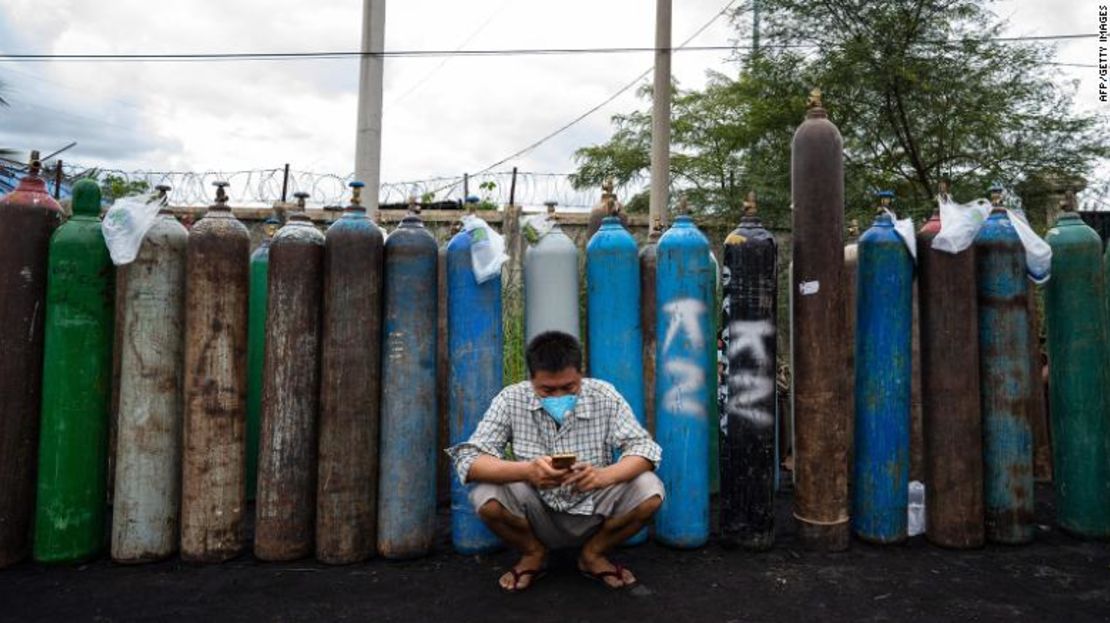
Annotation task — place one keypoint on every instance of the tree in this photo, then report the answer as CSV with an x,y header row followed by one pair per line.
x,y
922,91
113,187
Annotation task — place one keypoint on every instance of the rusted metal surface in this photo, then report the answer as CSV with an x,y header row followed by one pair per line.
x,y
350,391
409,417
1038,405
952,425
1004,354
148,445
28,216
917,432
820,343
285,506
214,452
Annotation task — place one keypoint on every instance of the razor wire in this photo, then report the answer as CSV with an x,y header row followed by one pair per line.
x,y
263,187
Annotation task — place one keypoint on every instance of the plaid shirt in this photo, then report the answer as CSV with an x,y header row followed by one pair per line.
x,y
603,423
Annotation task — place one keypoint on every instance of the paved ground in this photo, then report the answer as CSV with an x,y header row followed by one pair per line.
x,y
1056,579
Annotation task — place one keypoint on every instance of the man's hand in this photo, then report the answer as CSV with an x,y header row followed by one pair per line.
x,y
586,477
543,475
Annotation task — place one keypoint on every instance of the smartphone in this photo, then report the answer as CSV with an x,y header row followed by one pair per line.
x,y
563,461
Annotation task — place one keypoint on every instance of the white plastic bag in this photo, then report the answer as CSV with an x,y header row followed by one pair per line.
x,y
535,227
126,223
915,510
959,224
904,229
1038,255
487,248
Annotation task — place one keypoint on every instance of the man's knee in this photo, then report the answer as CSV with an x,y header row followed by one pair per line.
x,y
492,510
646,509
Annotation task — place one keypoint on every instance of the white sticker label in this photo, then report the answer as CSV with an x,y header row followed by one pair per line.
x,y
809,287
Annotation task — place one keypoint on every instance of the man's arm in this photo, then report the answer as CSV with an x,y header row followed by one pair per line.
x,y
478,459
639,453
586,477
540,472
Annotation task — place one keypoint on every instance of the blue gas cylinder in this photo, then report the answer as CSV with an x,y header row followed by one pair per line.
x,y
684,285
884,312
407,483
1004,372
474,343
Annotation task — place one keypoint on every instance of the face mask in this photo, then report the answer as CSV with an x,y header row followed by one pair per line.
x,y
559,406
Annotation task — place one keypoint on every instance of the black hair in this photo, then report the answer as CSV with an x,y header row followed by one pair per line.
x,y
553,351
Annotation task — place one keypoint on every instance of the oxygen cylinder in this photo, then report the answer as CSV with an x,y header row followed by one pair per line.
x,y
1077,354
821,422
213,462
952,425
76,387
347,479
647,321
683,284
613,312
747,426
28,216
147,489
551,284
1004,378
475,344
256,347
884,343
285,509
406,510
613,315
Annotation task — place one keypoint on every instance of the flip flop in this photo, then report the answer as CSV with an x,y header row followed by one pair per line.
x,y
616,572
536,574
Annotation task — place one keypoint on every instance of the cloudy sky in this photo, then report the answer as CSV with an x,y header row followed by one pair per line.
x,y
442,116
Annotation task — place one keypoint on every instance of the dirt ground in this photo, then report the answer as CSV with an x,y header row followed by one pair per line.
x,y
1058,578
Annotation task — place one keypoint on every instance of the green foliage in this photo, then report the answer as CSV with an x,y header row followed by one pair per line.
x,y
922,91
487,203
113,187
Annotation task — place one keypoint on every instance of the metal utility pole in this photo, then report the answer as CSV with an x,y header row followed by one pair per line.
x,y
661,115
368,143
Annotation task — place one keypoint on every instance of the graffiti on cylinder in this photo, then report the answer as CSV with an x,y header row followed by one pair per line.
x,y
748,352
684,316
750,386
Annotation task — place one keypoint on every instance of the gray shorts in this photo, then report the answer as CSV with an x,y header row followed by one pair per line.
x,y
555,529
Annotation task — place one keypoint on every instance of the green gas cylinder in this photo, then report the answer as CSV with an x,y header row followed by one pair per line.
x,y
76,387
256,346
1077,343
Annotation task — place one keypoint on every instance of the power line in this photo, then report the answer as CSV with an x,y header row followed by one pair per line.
x,y
609,99
333,55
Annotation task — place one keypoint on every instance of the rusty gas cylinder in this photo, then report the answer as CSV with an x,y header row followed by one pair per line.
x,y
151,309
28,216
285,506
213,458
953,428
820,346
347,477
1004,378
